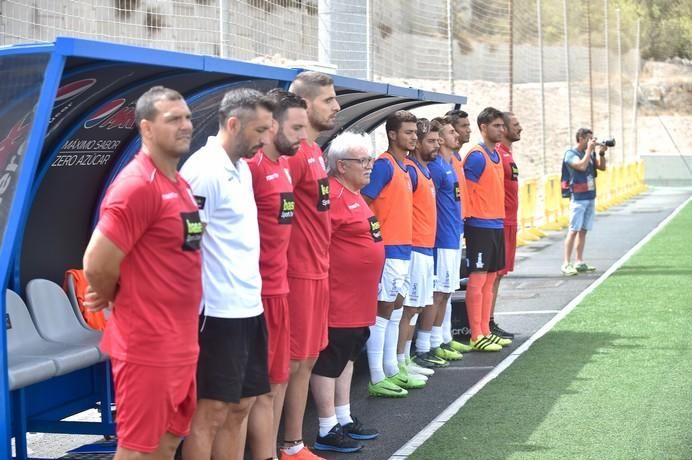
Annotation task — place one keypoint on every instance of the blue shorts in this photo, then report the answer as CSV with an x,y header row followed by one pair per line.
x,y
582,213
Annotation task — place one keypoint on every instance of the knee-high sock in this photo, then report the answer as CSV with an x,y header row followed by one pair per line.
x,y
447,322
391,338
375,349
474,302
407,351
487,302
436,337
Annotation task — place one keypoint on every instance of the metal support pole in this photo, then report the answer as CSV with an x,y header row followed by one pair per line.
x,y
635,114
588,47
511,55
450,48
369,61
567,71
539,22
607,63
223,14
324,35
622,103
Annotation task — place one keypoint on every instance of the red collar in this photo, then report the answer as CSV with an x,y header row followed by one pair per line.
x,y
502,150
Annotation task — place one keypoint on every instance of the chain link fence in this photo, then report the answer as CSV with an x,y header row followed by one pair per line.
x,y
557,64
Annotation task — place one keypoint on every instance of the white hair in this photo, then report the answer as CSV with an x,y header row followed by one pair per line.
x,y
345,143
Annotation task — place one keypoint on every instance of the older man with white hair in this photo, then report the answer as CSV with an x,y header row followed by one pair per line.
x,y
356,259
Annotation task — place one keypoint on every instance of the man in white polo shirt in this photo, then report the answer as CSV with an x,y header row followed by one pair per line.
x,y
232,368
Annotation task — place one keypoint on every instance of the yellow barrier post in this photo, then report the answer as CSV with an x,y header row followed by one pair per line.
x,y
527,211
551,203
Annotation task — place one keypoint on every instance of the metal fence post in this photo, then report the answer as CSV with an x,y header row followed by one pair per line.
x,y
511,54
540,70
607,62
635,113
223,14
450,49
588,47
567,71
622,103
369,62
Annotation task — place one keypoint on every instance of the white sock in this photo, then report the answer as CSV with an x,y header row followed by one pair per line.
x,y
447,323
423,342
343,414
294,449
326,424
436,337
391,338
407,350
375,349
401,358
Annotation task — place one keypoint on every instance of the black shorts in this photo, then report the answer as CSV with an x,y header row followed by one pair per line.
x,y
232,358
485,249
345,344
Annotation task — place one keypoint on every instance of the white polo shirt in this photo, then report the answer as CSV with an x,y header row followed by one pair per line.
x,y
231,279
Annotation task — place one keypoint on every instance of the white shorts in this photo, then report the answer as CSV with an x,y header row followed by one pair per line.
x,y
447,270
394,280
421,275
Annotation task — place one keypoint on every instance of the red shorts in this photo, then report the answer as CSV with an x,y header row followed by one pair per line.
x,y
278,331
152,401
308,305
510,249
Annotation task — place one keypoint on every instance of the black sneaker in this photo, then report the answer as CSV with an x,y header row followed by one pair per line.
x,y
429,360
498,331
337,441
356,430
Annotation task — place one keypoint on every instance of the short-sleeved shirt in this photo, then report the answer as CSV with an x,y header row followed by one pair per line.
x,y
154,221
271,183
475,167
308,251
230,245
356,259
582,183
511,183
448,203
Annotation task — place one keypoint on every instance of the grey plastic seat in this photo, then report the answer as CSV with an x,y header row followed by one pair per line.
x,y
72,295
54,317
24,341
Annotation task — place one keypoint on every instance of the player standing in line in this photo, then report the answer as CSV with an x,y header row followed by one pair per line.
x,y
356,258
485,247
232,368
308,256
389,195
149,214
511,134
271,183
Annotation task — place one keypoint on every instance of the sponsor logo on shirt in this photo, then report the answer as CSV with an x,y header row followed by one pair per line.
x,y
200,200
323,194
192,230
287,206
272,177
354,206
169,196
311,161
457,192
375,230
515,171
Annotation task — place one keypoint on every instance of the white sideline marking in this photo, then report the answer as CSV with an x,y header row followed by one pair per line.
x,y
415,442
529,312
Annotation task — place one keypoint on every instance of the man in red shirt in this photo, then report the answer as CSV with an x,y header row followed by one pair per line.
x,y
356,258
144,258
511,134
273,190
308,255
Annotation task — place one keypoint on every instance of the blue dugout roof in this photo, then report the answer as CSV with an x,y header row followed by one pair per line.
x,y
67,128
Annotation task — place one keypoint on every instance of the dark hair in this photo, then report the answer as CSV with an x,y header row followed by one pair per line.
x,y
307,83
582,132
146,104
284,100
238,102
442,121
488,115
425,127
395,120
455,115
507,118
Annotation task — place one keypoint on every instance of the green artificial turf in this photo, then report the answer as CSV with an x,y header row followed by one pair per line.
x,y
613,380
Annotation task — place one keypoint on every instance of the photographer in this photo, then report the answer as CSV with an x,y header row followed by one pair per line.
x,y
579,171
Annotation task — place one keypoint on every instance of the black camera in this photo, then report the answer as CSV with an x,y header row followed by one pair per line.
x,y
609,142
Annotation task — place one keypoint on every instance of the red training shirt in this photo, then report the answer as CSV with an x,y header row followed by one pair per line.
x,y
511,183
155,222
357,258
308,252
271,183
